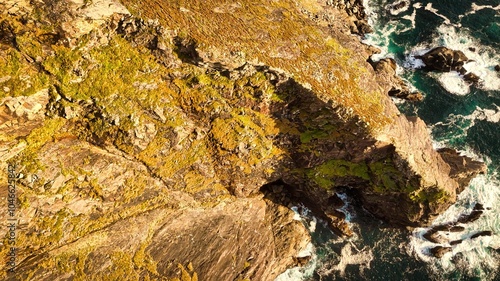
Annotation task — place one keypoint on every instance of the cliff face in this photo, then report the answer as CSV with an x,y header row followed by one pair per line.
x,y
142,146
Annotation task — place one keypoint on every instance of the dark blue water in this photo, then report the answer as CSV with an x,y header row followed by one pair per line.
x,y
458,115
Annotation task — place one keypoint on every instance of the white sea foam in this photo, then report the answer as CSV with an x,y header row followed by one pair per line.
x,y
312,224
484,189
482,60
391,7
412,17
301,273
346,208
475,7
464,123
453,83
350,255
429,8
461,124
381,36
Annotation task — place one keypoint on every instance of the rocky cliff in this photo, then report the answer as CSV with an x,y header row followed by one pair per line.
x,y
163,140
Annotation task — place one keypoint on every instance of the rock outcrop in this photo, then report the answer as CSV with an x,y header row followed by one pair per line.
x,y
440,251
444,59
142,145
386,71
434,234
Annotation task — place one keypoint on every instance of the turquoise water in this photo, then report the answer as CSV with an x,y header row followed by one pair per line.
x,y
459,116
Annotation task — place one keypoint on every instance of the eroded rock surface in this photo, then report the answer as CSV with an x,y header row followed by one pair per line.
x,y
445,59
142,145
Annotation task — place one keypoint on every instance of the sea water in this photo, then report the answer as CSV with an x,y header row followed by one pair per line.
x,y
458,115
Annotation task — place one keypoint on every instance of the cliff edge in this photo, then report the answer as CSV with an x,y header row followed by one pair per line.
x,y
145,137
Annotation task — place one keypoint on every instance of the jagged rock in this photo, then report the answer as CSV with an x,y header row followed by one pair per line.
x,y
433,236
143,135
471,78
363,27
448,227
385,65
301,261
439,251
386,68
475,235
27,107
482,233
406,95
473,216
457,228
339,226
433,233
463,168
444,59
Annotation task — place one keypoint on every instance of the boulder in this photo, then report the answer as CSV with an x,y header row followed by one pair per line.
x,y
473,216
471,78
482,233
406,94
457,228
439,251
387,64
444,59
497,67
433,236
301,261
479,207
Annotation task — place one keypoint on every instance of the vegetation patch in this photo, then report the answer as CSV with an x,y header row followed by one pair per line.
x,y
325,174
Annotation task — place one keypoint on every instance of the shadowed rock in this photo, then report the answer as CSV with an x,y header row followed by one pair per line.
x,y
475,235
482,233
335,201
473,216
476,213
